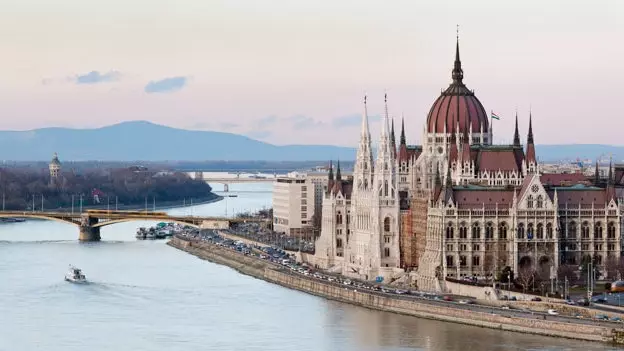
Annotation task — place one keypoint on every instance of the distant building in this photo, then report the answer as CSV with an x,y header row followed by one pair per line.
x,y
293,205
55,169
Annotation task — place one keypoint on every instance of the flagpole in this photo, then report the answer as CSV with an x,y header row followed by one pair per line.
x,y
491,125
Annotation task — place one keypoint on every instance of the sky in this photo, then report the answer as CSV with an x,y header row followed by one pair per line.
x,y
295,72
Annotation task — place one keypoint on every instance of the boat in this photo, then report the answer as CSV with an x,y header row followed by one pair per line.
x,y
141,233
75,275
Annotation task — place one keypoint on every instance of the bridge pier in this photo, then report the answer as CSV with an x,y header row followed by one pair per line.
x,y
87,230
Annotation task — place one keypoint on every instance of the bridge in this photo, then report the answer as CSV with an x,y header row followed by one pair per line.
x,y
90,222
234,178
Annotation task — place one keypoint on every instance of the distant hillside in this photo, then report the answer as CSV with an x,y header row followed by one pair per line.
x,y
139,140
145,141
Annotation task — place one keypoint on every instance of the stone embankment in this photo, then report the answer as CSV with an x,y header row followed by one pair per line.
x,y
265,270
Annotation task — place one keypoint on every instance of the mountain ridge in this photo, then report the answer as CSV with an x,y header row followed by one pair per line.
x,y
147,141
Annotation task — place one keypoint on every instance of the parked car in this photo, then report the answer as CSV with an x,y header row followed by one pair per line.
x,y
553,312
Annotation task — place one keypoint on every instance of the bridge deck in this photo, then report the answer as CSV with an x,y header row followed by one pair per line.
x,y
117,215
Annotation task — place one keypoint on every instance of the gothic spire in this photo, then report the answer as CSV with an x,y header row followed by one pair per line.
x,y
458,73
597,174
392,138
331,171
338,175
403,142
530,136
438,180
449,181
610,180
516,140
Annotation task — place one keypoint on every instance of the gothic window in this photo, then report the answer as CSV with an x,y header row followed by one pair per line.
x,y
540,201
386,252
598,230
385,188
598,259
572,230
450,262
611,230
339,218
365,183
540,231
462,261
530,231
585,230
502,231
476,231
387,224
530,201
476,260
489,231
549,231
449,231
521,231
338,243
463,231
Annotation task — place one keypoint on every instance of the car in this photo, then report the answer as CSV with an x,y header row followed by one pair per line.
x,y
616,319
466,302
552,312
347,282
447,298
536,299
601,317
505,307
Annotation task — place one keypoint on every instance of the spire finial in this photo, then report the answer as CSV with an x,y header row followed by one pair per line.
x,y
457,32
338,175
458,73
403,142
516,140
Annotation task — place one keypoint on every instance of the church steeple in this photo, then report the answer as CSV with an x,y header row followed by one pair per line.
x,y
516,140
338,175
363,169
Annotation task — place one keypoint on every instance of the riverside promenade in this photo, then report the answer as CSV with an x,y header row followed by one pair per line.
x,y
423,307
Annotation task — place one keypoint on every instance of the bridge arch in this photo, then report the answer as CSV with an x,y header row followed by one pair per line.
x,y
41,216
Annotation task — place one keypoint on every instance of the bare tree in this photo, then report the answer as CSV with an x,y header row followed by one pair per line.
x,y
614,267
569,272
526,277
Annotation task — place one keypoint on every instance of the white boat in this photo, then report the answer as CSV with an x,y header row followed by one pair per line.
x,y
75,275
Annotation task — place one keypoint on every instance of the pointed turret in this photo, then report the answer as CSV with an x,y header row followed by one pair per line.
x,y
363,170
597,174
438,179
610,183
393,140
516,139
458,73
338,175
530,152
449,181
330,180
403,142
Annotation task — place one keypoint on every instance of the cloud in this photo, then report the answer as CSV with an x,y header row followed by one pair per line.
x,y
353,120
167,85
267,121
302,122
95,77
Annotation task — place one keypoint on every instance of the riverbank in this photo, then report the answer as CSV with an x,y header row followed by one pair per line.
x,y
424,309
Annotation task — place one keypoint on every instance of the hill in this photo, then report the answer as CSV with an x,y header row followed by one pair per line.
x,y
145,141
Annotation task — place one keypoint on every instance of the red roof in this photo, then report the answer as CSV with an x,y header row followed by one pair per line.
x,y
457,104
573,196
563,179
477,198
504,159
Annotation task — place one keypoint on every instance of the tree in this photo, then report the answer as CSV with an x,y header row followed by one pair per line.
x,y
614,267
526,277
569,272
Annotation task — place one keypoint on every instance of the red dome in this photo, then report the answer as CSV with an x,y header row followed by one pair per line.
x,y
457,104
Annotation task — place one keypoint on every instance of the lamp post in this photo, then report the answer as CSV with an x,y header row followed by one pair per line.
x,y
72,210
80,203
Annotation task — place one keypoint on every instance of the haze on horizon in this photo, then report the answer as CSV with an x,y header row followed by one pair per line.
x,y
291,72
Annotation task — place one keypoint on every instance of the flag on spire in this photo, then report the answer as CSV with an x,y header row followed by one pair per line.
x,y
495,116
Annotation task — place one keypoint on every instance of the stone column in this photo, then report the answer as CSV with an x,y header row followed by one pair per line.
x,y
87,231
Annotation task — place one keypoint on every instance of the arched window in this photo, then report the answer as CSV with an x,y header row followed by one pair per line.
x,y
530,201
598,230
572,230
476,231
540,201
611,230
521,231
549,231
585,230
463,231
530,231
385,188
449,231
489,231
540,231
387,224
339,218
502,231
450,262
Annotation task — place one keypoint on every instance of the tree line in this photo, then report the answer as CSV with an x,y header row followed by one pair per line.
x,y
24,187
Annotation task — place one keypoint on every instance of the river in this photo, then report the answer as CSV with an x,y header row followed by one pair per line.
x,y
145,295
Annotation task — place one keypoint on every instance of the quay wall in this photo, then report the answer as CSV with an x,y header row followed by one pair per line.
x,y
269,272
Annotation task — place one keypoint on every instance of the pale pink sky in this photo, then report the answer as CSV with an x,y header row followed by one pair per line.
x,y
290,71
